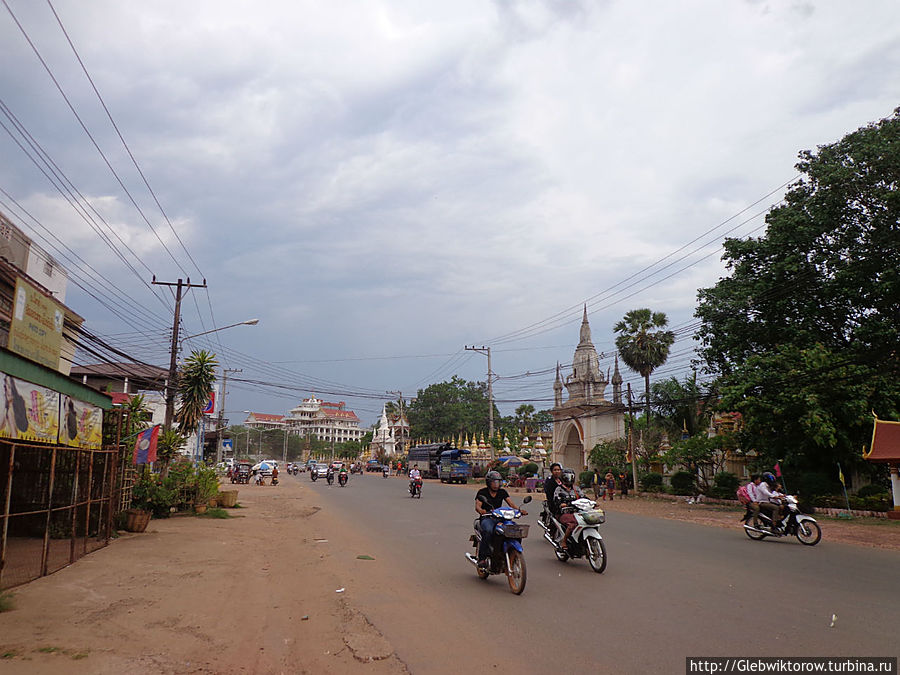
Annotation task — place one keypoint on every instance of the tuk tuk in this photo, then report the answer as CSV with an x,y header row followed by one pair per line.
x,y
241,473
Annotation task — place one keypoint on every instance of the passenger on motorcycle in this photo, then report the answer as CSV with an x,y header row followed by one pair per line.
x,y
565,494
494,496
769,499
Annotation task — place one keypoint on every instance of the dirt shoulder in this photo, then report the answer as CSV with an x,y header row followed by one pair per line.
x,y
250,594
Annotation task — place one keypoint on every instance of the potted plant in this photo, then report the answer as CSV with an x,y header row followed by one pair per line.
x,y
149,497
207,486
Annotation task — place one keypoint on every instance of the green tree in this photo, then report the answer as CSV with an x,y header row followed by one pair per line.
x,y
524,418
644,345
195,382
450,408
701,456
683,405
803,331
608,455
169,443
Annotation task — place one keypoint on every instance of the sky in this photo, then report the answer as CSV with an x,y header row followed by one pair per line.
x,y
382,184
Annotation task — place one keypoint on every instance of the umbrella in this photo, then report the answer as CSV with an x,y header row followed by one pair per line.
x,y
512,460
264,466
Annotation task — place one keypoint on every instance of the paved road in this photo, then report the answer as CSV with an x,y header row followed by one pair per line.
x,y
671,590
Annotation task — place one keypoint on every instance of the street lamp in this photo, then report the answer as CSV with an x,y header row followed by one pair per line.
x,y
170,386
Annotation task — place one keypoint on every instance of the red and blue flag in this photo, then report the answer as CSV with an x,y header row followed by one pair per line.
x,y
145,445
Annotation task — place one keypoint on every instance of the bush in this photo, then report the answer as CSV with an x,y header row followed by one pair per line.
x,y
871,490
151,494
813,485
727,481
586,479
651,482
683,483
530,469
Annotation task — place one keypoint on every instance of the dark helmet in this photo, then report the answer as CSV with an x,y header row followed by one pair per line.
x,y
769,477
568,477
492,476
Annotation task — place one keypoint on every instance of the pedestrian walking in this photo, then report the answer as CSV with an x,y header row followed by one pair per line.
x,y
623,485
610,486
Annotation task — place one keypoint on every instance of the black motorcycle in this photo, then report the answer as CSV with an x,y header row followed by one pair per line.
x,y
342,479
330,477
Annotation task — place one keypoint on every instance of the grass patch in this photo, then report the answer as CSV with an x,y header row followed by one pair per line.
x,y
9,654
77,656
215,513
7,602
48,650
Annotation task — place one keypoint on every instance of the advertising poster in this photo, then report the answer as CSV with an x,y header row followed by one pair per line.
x,y
80,424
30,412
35,331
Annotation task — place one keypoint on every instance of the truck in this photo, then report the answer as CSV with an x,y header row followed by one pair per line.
x,y
428,457
453,467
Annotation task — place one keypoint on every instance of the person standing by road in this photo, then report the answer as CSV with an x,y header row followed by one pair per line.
x,y
610,486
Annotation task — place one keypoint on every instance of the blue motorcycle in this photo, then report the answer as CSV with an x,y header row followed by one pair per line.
x,y
507,555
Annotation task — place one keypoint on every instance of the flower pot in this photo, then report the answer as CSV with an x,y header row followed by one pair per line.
x,y
199,508
228,498
136,520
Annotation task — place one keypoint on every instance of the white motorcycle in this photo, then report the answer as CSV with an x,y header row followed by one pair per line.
x,y
585,540
793,523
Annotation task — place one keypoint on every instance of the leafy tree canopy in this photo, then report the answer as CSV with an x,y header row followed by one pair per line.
x,y
804,330
195,381
450,408
643,344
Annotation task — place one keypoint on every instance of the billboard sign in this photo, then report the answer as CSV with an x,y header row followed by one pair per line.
x,y
35,331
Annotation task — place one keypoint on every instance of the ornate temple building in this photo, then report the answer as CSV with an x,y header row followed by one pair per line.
x,y
383,442
586,417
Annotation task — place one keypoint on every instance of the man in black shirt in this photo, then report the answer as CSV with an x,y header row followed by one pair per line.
x,y
553,481
486,500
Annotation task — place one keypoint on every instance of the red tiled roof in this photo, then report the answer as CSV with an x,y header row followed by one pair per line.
x,y
119,398
264,417
885,442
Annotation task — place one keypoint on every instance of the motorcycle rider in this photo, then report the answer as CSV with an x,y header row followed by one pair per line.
x,y
343,470
565,494
553,481
494,496
414,475
769,499
329,473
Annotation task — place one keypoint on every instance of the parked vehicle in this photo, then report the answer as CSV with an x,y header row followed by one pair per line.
x,y
415,487
428,457
373,465
453,468
585,540
507,555
793,523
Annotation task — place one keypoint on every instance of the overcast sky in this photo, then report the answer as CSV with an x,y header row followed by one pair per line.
x,y
383,183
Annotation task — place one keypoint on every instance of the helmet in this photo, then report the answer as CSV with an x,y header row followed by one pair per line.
x,y
568,477
492,476
769,477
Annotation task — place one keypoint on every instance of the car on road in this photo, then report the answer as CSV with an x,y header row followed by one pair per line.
x,y
321,469
373,465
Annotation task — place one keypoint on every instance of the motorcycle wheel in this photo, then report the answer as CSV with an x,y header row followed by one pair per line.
x,y
755,536
596,554
516,575
809,532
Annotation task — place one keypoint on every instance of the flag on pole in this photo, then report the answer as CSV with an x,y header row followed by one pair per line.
x,y
778,469
145,445
841,476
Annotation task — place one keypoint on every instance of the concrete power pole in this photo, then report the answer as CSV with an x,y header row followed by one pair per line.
x,y
173,352
490,384
631,448
221,423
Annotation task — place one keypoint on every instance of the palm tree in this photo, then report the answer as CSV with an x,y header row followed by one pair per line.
x,y
195,382
644,345
167,446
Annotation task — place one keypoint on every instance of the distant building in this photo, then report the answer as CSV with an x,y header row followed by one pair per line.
x,y
315,418
257,420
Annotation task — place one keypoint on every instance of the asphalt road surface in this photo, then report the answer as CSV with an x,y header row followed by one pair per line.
x,y
671,590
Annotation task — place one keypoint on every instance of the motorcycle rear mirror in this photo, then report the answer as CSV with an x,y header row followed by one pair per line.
x,y
527,499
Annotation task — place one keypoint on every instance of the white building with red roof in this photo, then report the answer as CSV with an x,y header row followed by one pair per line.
x,y
325,421
257,420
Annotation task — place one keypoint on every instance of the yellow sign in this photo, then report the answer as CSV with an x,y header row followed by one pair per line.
x,y
80,424
30,411
36,328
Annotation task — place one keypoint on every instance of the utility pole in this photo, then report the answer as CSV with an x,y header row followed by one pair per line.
x,y
173,352
221,422
631,443
490,384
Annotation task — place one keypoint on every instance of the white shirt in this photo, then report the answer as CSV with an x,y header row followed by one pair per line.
x,y
753,491
415,474
766,494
